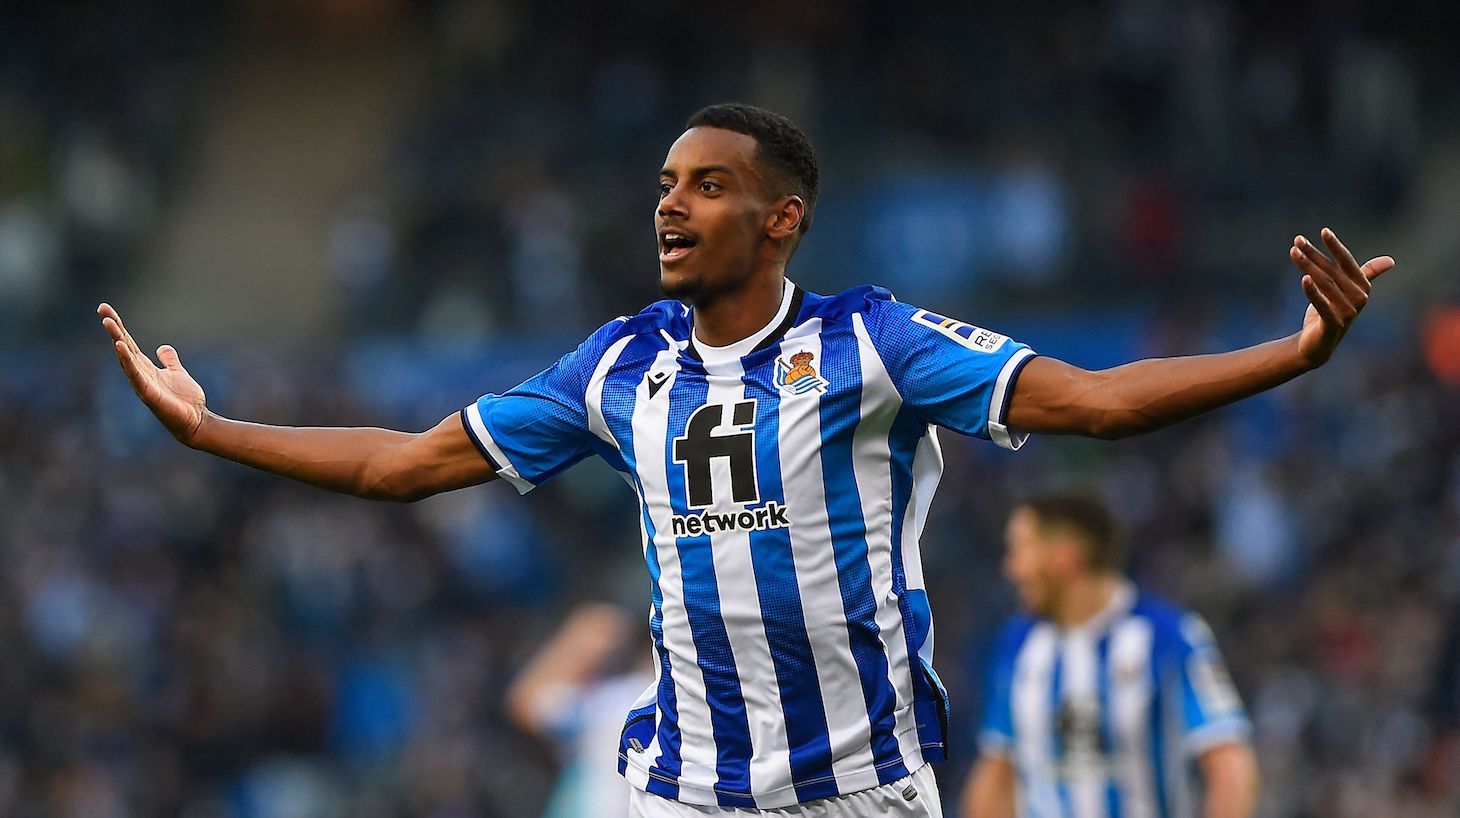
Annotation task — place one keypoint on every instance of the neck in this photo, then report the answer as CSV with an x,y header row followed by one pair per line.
x,y
1084,598
736,315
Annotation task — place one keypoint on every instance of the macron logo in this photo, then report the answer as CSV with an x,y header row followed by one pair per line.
x,y
656,382
770,515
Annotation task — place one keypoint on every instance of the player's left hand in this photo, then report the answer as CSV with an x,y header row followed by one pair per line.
x,y
1337,291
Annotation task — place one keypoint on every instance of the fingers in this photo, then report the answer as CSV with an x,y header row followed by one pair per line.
x,y
113,329
112,321
1342,283
1345,259
168,356
132,367
1336,302
1320,302
1377,266
1352,288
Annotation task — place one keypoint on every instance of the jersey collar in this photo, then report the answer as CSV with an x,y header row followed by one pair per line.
x,y
1121,601
779,325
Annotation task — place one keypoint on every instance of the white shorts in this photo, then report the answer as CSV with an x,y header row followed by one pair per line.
x,y
915,796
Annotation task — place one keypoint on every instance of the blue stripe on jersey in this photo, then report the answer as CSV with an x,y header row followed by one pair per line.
x,y
623,392
1057,740
1158,737
839,421
917,617
785,620
728,721
1108,749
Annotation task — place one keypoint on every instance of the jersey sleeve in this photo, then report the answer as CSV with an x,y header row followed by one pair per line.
x,y
539,428
954,374
1211,711
996,732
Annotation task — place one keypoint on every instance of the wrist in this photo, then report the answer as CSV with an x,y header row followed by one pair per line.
x,y
1301,359
196,438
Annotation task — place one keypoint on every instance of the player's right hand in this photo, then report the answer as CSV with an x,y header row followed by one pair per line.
x,y
170,392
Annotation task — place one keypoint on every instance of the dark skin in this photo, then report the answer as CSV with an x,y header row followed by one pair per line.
x,y
712,190
744,230
1052,397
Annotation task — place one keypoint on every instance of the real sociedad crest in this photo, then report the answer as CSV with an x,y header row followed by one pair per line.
x,y
800,376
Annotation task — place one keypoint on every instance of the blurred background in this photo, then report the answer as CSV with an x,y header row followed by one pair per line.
x,y
371,212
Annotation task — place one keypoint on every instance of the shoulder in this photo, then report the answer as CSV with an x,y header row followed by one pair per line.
x,y
1173,626
1012,635
661,317
668,315
867,300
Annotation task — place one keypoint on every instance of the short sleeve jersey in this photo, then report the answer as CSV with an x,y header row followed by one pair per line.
x,y
783,484
1105,719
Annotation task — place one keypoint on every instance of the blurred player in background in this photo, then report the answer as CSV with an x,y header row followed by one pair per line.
x,y
783,447
573,694
1101,696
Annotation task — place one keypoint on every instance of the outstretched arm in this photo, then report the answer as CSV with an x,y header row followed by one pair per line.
x,y
1053,397
380,464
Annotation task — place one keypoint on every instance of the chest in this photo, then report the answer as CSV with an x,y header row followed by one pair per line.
x,y
1073,695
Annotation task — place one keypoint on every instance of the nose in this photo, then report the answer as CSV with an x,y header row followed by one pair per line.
x,y
672,204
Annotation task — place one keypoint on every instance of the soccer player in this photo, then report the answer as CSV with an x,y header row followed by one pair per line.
x,y
1101,696
572,694
783,448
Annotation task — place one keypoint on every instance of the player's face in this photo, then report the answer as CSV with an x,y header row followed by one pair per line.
x,y
712,214
1029,562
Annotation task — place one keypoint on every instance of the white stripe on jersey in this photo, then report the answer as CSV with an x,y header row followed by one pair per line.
x,y
816,572
1033,677
1130,696
650,423
636,775
593,400
1080,690
832,643
927,470
870,455
770,764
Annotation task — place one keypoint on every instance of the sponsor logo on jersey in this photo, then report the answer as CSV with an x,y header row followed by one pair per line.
x,y
975,338
799,377
771,515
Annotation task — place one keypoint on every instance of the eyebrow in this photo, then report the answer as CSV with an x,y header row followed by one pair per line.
x,y
702,171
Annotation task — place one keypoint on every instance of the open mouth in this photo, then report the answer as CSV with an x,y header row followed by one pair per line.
x,y
674,246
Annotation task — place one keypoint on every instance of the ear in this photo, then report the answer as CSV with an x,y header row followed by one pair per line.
x,y
785,218
1067,556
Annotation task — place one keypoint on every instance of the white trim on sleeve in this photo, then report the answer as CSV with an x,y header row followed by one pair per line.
x,y
994,744
998,403
1231,730
506,470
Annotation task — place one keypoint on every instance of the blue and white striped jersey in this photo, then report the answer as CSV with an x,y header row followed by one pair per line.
x,y
1105,720
783,481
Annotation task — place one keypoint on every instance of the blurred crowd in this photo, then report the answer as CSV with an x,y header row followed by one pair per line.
x,y
185,637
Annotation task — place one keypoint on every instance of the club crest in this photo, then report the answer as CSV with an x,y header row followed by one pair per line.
x,y
799,377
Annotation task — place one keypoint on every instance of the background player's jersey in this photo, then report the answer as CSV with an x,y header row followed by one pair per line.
x,y
1105,720
784,481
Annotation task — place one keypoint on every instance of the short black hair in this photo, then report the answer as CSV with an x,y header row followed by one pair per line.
x,y
782,149
1088,520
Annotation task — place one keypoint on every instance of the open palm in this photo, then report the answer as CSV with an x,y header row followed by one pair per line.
x,y
169,391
